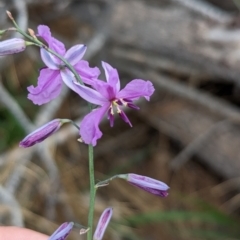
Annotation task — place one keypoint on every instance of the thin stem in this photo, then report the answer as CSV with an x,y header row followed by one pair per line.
x,y
92,192
75,125
106,182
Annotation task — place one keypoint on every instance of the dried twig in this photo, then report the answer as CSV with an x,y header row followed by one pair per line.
x,y
8,199
9,102
22,13
195,145
207,9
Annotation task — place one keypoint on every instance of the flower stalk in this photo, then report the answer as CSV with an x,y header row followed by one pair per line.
x,y
92,192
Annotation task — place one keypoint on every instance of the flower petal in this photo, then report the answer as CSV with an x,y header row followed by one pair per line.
x,y
53,43
62,232
51,61
111,76
89,94
49,87
75,53
89,129
124,117
105,89
68,78
88,74
103,223
137,88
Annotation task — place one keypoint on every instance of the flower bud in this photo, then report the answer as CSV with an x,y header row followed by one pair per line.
x,y
150,185
11,46
42,133
62,232
103,223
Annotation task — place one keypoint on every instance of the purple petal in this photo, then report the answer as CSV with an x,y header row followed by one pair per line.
x,y
124,117
102,224
89,129
111,76
49,87
41,133
62,232
89,94
50,60
133,106
11,46
45,33
157,192
105,89
88,74
148,184
75,54
53,43
137,88
68,78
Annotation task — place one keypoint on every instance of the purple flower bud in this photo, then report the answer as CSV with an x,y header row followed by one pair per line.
x,y
103,223
42,133
11,46
148,184
62,232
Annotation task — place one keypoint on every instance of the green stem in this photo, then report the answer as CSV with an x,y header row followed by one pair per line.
x,y
92,193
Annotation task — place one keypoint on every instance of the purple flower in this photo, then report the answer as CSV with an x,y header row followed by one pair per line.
x,y
110,98
102,224
51,77
62,232
11,46
148,184
42,133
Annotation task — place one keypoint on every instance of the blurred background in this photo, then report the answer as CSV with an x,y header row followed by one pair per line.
x,y
188,135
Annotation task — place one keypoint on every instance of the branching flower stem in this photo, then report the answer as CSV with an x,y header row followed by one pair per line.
x,y
39,44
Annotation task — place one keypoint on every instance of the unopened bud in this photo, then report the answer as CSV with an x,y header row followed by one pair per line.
x,y
150,185
42,133
10,15
31,32
11,46
102,224
62,232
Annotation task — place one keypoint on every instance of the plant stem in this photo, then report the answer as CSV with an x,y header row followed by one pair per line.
x,y
92,192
